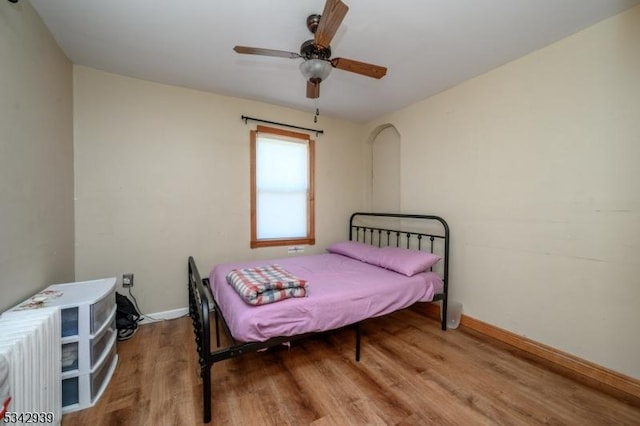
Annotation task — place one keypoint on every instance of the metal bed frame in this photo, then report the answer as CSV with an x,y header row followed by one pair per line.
x,y
201,298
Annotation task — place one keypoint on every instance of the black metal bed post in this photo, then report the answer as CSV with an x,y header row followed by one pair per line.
x,y
206,393
205,367
199,310
445,277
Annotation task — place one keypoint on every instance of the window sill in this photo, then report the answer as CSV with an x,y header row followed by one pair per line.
x,y
282,242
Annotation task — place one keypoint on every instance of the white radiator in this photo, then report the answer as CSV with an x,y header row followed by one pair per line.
x,y
31,366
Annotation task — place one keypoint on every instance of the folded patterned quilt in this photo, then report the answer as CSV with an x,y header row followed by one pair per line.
x,y
266,284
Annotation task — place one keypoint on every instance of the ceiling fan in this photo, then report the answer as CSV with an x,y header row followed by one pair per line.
x,y
316,52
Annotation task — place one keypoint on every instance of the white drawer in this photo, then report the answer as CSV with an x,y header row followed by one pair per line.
x,y
101,343
101,376
101,310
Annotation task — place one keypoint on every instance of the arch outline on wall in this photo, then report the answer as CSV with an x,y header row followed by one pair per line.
x,y
369,143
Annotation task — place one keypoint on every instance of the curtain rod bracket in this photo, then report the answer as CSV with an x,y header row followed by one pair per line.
x,y
316,131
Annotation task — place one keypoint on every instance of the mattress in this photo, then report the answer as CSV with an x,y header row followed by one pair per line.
x,y
342,291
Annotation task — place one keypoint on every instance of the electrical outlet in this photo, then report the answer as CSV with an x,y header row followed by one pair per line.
x,y
127,280
295,249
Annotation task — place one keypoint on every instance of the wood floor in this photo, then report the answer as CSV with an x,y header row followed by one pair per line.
x,y
410,373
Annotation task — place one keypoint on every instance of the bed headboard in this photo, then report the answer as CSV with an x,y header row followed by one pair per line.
x,y
413,231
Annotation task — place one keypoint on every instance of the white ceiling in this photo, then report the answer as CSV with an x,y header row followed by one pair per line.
x,y
427,45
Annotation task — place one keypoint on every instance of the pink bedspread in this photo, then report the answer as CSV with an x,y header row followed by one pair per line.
x,y
341,291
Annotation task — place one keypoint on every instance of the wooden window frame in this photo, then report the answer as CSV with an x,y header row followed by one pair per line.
x,y
310,238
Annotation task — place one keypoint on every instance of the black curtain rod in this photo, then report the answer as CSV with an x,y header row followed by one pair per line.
x,y
317,132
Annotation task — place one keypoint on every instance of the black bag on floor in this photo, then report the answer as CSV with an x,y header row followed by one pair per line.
x,y
127,317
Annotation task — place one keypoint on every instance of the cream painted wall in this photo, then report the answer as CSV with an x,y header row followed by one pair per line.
x,y
536,167
36,157
162,173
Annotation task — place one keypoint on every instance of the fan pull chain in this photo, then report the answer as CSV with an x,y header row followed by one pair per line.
x,y
315,118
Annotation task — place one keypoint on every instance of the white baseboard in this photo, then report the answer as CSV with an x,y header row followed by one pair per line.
x,y
164,316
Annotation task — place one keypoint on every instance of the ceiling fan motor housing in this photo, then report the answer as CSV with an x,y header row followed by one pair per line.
x,y
310,50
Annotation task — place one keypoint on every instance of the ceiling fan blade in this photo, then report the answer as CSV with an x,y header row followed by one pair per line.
x,y
266,52
313,90
370,70
332,16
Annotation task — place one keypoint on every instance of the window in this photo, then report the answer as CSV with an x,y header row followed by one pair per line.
x,y
282,188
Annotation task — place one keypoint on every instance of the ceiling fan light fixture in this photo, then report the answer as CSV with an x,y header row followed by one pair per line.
x,y
316,69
